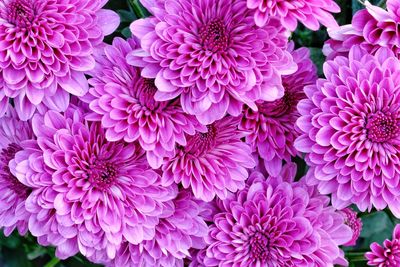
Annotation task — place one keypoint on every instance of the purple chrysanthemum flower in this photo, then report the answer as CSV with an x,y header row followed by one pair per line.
x,y
272,131
197,258
351,130
124,102
276,222
176,233
212,55
371,28
91,193
310,13
211,163
13,133
46,47
389,254
355,224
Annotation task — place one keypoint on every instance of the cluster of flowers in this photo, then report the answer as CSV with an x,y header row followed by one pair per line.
x,y
174,147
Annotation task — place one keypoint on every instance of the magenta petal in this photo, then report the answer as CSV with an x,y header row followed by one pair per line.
x,y
108,21
75,85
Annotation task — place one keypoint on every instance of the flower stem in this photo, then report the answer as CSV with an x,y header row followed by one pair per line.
x,y
54,261
137,8
356,256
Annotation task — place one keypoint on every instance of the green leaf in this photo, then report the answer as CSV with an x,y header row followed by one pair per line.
x,y
126,16
356,6
12,242
318,58
377,227
126,32
138,8
37,252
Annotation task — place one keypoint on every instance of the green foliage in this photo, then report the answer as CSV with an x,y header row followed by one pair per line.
x,y
377,227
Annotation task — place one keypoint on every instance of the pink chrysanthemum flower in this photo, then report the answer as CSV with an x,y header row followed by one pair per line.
x,y
13,214
351,130
40,202
124,102
371,28
389,254
212,55
46,47
355,223
272,131
91,193
211,163
310,13
175,235
276,222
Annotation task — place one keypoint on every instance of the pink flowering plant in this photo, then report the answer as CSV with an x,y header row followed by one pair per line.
x,y
199,133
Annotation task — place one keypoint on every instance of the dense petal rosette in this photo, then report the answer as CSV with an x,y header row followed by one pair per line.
x,y
211,163
212,55
95,193
276,222
178,232
124,102
371,28
46,46
310,13
387,255
355,224
13,214
28,166
272,127
351,130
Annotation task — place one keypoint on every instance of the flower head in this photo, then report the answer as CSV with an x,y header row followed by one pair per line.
x,y
175,234
350,218
211,163
276,222
389,254
124,102
92,193
271,127
212,55
13,214
371,28
350,125
46,47
310,13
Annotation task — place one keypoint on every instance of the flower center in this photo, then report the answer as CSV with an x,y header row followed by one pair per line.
x,y
259,246
6,155
279,107
145,92
382,127
201,143
214,36
102,174
19,12
392,253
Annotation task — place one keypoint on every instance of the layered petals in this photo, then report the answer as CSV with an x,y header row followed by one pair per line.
x,y
276,222
272,128
310,13
212,55
90,194
350,125
124,102
211,163
46,47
